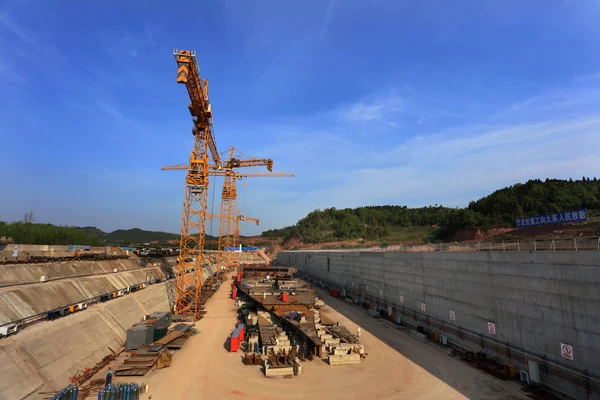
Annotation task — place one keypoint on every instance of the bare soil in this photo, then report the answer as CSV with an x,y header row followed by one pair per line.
x,y
562,231
398,366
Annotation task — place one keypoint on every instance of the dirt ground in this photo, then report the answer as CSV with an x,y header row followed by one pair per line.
x,y
398,366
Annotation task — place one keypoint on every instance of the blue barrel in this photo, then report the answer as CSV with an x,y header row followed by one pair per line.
x,y
256,347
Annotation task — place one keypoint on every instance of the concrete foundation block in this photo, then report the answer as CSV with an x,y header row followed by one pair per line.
x,y
343,359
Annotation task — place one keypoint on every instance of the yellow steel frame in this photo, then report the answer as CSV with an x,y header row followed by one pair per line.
x,y
188,286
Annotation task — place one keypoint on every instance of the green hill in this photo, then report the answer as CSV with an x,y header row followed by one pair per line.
x,y
32,233
137,235
394,222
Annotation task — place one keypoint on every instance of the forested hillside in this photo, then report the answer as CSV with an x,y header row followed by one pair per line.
x,y
498,209
137,235
31,233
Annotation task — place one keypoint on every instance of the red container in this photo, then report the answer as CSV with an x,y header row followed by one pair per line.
x,y
234,293
241,336
284,297
234,344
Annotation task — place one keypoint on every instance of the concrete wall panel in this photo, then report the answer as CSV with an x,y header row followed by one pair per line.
x,y
537,300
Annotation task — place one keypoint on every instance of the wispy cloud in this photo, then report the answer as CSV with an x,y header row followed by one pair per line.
x,y
452,166
377,108
7,23
328,17
123,122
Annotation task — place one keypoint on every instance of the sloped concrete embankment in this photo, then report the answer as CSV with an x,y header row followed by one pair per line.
x,y
24,301
18,274
58,250
44,356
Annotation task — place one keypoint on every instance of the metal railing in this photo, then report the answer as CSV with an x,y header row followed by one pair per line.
x,y
572,244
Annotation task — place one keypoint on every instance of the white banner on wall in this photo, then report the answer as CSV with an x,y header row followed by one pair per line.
x,y
452,315
423,308
401,299
491,328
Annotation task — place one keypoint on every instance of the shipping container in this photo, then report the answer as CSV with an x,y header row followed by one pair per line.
x,y
234,341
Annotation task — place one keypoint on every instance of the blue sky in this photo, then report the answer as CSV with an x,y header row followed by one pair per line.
x,y
382,102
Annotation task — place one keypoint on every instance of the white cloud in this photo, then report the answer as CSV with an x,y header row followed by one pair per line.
x,y
378,108
437,167
363,112
334,167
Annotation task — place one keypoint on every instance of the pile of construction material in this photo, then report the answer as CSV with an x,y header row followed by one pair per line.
x,y
151,328
282,364
342,346
279,356
276,339
158,353
345,353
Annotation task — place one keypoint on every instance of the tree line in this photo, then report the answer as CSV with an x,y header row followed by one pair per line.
x,y
500,208
31,233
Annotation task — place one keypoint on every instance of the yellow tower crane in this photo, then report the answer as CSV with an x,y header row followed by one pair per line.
x,y
229,196
191,255
236,230
227,218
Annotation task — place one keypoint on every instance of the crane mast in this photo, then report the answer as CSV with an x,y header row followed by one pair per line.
x,y
236,231
228,212
226,219
193,227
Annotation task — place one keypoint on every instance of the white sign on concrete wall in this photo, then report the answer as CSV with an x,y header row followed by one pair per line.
x,y
566,351
423,308
381,292
452,315
492,328
401,299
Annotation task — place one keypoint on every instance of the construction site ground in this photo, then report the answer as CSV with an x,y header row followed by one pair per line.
x,y
398,366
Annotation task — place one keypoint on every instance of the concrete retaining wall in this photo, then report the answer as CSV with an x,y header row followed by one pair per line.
x,y
13,274
59,250
536,300
44,356
24,301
